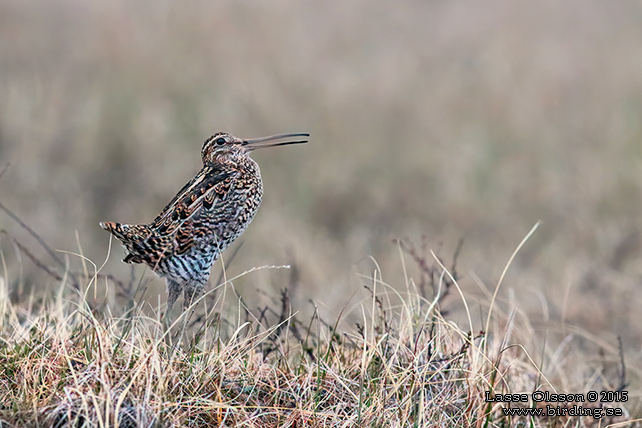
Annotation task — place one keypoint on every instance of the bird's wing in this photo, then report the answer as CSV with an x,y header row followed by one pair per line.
x,y
209,186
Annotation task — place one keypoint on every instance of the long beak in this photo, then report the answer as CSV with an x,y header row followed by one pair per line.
x,y
273,141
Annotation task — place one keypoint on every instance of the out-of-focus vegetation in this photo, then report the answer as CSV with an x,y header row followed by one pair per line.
x,y
432,119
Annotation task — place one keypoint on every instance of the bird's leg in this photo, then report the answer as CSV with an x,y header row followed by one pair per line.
x,y
192,292
174,289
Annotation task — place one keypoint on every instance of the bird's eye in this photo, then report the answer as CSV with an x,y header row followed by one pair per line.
x,y
220,141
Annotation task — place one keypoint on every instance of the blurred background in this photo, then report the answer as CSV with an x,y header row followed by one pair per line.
x,y
430,121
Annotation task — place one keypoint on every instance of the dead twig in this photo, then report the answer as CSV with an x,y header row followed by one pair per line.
x,y
430,273
37,261
41,241
622,371
4,169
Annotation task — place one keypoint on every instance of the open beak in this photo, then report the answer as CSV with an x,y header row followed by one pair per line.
x,y
273,141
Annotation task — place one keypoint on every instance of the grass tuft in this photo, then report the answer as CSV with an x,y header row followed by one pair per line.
x,y
65,363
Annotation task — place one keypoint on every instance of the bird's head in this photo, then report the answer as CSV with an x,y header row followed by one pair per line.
x,y
223,146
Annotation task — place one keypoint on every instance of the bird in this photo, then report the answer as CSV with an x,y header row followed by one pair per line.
x,y
211,211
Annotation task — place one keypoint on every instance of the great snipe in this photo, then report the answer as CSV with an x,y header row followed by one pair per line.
x,y
204,218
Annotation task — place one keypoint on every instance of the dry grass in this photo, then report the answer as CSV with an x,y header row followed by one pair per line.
x,y
66,362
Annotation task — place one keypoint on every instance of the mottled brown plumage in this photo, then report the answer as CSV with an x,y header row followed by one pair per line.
x,y
204,217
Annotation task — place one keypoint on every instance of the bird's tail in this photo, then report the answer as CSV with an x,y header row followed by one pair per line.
x,y
133,236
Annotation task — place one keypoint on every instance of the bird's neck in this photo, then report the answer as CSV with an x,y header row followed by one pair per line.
x,y
238,162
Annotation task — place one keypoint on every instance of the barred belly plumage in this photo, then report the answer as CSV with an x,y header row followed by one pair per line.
x,y
192,267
